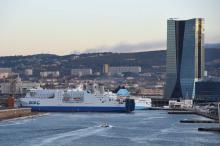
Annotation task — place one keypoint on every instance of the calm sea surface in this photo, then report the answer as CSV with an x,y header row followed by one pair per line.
x,y
141,128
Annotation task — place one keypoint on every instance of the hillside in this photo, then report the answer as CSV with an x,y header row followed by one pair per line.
x,y
95,61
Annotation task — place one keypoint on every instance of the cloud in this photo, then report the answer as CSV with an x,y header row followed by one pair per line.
x,y
129,47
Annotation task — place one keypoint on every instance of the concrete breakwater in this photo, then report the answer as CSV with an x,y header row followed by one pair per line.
x,y
181,112
14,113
215,129
197,121
194,111
206,114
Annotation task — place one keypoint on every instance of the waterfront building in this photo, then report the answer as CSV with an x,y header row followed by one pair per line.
x,y
207,91
123,69
185,57
182,104
151,91
81,72
17,86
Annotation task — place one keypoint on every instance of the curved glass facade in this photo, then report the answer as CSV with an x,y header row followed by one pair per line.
x,y
185,57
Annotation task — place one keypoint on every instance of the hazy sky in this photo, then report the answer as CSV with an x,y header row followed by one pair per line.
x,y
67,26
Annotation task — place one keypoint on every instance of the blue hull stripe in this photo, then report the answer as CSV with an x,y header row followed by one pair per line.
x,y
77,109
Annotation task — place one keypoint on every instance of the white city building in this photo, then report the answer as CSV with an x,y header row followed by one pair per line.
x,y
17,86
46,74
28,72
81,72
5,72
123,69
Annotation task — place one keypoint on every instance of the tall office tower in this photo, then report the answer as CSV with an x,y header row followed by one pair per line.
x,y
185,57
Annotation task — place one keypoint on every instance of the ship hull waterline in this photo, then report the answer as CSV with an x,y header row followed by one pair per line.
x,y
77,109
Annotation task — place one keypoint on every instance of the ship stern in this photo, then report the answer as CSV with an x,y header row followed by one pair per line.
x,y
130,105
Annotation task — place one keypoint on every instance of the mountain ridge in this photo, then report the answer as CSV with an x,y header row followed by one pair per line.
x,y
95,61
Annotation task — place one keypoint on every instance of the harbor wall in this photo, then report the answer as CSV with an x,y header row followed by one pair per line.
x,y
14,113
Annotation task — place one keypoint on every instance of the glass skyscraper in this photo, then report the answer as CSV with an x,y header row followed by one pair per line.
x,y
185,57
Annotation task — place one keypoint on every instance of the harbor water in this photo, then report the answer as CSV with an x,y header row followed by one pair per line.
x,y
140,128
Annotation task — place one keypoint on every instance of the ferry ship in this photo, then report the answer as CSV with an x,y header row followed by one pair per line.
x,y
75,100
142,103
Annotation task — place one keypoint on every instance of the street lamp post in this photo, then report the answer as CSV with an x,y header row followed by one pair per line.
x,y
219,112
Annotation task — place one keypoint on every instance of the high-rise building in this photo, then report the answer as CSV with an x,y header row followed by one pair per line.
x,y
106,68
185,57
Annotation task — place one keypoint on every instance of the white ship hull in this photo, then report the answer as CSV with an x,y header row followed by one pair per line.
x,y
87,103
142,103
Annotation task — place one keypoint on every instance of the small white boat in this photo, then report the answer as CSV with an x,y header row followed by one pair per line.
x,y
104,125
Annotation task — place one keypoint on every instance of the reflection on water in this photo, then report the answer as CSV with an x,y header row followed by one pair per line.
x,y
138,128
